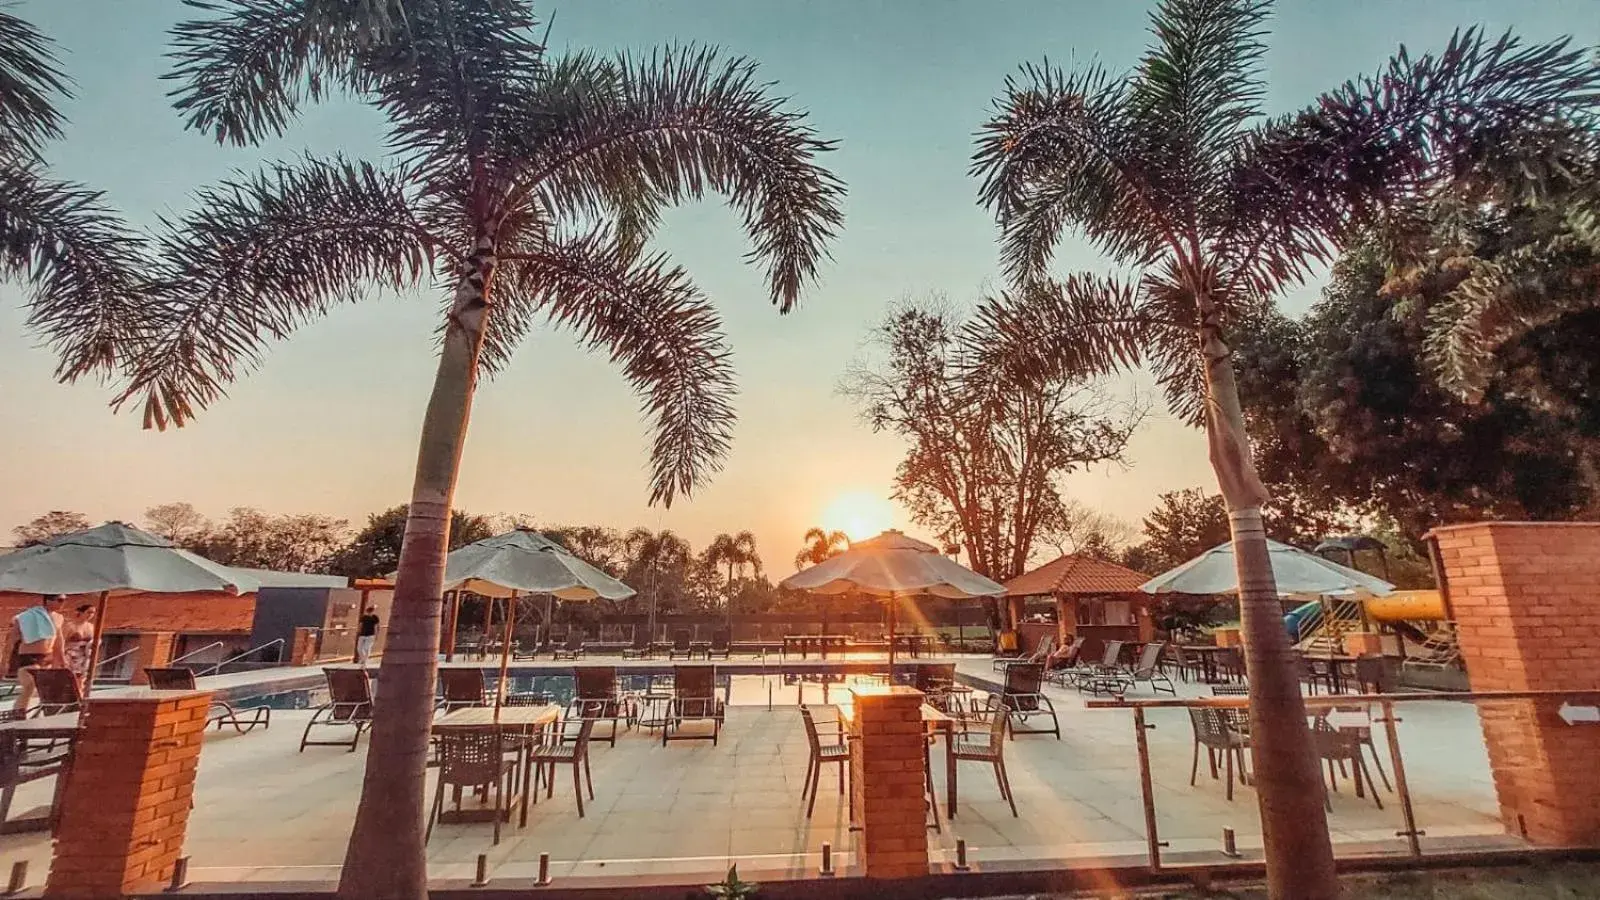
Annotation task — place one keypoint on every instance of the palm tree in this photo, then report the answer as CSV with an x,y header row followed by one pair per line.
x,y
821,546
737,552
80,264
528,183
1175,175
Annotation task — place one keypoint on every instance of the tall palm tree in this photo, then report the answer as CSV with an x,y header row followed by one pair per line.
x,y
80,264
821,546
525,182
738,553
1173,172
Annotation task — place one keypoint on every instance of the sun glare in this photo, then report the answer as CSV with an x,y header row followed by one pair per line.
x,y
859,514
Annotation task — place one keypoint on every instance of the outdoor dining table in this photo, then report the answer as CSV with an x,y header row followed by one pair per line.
x,y
14,737
1336,663
521,720
1207,654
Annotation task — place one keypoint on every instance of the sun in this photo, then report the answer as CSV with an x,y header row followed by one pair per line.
x,y
859,514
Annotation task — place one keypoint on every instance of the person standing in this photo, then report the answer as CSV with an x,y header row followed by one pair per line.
x,y
367,634
79,634
36,633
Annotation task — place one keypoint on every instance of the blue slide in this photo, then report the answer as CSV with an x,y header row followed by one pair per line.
x,y
1293,618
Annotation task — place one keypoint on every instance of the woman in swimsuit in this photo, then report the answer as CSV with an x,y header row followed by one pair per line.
x,y
79,632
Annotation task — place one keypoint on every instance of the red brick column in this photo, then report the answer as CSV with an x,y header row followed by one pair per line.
x,y
128,795
1526,598
888,779
155,652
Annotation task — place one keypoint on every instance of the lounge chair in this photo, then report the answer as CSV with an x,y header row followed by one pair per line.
x,y
1441,650
641,648
1040,652
1059,665
471,759
991,751
836,750
1023,698
1148,670
460,688
596,699
573,648
57,690
694,698
349,706
682,647
1106,668
221,713
721,644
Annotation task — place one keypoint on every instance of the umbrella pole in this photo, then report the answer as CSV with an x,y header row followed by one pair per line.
x,y
94,646
453,600
505,654
894,599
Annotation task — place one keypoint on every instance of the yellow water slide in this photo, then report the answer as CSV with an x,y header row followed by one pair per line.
x,y
1406,606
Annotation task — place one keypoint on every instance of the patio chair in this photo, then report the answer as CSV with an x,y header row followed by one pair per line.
x,y
1230,664
178,678
460,688
471,759
21,763
1040,652
682,645
595,698
694,698
572,749
573,648
1212,730
640,648
721,644
991,751
1023,698
1315,671
1064,659
1189,668
1370,674
1148,670
1440,650
836,750
57,690
1102,675
1342,746
533,698
349,706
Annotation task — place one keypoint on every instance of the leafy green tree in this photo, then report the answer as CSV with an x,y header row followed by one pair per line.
x,y
52,524
375,551
289,543
1183,525
527,181
1212,209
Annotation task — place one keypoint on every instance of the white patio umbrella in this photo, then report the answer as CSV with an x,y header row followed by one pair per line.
x,y
525,562
892,566
114,558
1296,571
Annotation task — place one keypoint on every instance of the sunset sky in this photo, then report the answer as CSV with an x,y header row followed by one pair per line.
x,y
329,423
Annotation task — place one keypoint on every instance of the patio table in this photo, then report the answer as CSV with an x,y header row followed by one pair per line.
x,y
14,737
522,720
1207,654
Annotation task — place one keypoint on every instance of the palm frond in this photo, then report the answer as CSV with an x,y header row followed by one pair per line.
x,y
28,79
1301,186
259,257
1060,152
1080,327
652,321
630,137
1196,88
83,267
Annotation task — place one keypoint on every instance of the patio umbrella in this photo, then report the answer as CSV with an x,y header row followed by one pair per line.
x,y
893,566
525,562
114,558
1295,571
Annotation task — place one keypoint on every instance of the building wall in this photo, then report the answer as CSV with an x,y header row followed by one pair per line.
x,y
210,613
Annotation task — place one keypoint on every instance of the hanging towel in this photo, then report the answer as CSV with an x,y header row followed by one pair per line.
x,y
36,624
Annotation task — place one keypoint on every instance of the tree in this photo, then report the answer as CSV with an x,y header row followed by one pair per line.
x,y
983,468
737,552
293,543
179,523
528,182
1173,172
1183,525
81,266
375,551
821,546
52,524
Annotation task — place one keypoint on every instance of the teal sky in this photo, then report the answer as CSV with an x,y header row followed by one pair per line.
x,y
329,422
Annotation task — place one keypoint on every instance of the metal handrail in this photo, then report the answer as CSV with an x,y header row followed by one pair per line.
x,y
128,652
214,669
196,652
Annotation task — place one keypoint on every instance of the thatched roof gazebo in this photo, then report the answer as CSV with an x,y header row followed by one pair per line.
x,y
1095,599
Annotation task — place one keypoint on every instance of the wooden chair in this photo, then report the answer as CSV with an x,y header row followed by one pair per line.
x,y
694,698
471,758
57,690
836,750
1023,698
460,688
595,698
1213,731
571,749
991,750
573,649
349,706
221,713
682,645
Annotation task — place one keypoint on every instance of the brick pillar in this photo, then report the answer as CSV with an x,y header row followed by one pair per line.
x,y
127,799
888,780
155,651
303,649
1526,598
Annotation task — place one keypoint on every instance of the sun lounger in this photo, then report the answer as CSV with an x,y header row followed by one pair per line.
x,y
222,713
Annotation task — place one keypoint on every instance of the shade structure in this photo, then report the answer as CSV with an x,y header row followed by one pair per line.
x,y
1296,571
114,558
526,562
892,566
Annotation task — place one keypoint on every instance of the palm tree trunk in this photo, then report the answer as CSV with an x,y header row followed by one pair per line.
x,y
1294,825
386,857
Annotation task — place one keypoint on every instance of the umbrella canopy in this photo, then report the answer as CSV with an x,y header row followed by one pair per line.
x,y
1296,572
890,565
526,562
115,558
